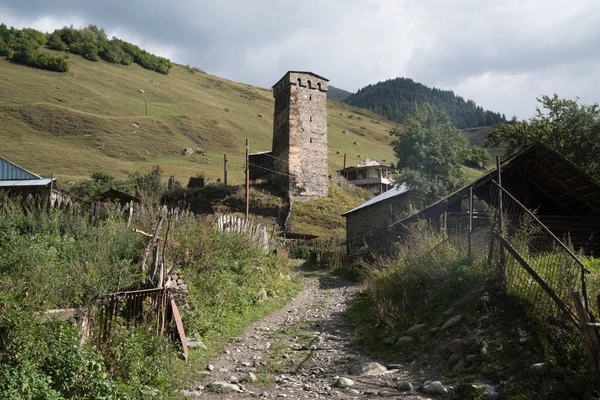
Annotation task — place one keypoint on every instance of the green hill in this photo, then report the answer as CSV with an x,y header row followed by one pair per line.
x,y
93,118
396,98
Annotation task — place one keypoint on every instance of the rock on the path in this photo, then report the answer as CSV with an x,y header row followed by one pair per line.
x,y
249,377
434,387
194,343
416,328
404,386
368,369
187,151
452,322
405,340
540,369
225,386
191,393
343,382
210,367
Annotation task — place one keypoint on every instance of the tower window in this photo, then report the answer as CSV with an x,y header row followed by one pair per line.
x,y
311,140
310,96
310,118
319,85
299,82
309,85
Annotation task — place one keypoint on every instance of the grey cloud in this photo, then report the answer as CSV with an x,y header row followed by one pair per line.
x,y
474,46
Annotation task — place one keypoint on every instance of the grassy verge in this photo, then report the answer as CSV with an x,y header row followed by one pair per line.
x,y
428,283
51,260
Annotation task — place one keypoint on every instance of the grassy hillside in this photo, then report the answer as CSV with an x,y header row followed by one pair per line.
x,y
93,118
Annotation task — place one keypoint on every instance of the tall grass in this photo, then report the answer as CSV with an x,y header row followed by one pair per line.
x,y
49,259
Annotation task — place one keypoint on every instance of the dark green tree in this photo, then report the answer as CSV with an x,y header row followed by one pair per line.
x,y
430,152
570,128
478,157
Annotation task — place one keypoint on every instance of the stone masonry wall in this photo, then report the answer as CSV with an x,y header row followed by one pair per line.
x,y
300,134
368,226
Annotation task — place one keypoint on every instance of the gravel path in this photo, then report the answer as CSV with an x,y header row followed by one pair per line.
x,y
299,352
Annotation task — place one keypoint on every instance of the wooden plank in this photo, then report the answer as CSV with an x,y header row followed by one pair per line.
x,y
180,330
589,335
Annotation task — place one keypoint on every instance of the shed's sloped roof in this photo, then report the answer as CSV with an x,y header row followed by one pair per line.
x,y
548,171
393,192
12,172
26,182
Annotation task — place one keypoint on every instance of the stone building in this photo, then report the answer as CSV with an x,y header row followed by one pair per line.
x,y
298,159
368,223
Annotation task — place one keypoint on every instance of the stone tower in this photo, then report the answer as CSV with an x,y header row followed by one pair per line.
x,y
300,134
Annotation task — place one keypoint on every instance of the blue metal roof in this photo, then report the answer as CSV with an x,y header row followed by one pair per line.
x,y
393,192
12,172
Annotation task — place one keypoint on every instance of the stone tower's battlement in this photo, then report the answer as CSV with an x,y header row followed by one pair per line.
x,y
300,133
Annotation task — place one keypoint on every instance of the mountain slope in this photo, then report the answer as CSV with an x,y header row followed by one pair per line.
x,y
93,118
337,94
396,98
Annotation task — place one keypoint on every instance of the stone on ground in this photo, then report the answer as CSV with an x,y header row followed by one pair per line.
x,y
368,369
539,369
405,340
404,386
451,322
416,328
225,386
343,382
194,343
434,387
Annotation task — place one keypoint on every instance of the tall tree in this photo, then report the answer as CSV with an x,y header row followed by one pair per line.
x,y
568,127
430,151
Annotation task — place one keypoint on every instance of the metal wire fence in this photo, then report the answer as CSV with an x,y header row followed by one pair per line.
x,y
537,266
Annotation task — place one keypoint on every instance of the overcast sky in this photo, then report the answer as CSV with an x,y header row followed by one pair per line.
x,y
501,54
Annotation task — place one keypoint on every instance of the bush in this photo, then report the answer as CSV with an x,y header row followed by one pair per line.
x,y
478,157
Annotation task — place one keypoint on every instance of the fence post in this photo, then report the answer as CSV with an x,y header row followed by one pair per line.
x,y
500,217
470,221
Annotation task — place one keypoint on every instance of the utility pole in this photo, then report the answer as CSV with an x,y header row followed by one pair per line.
x,y
247,179
225,169
344,169
500,213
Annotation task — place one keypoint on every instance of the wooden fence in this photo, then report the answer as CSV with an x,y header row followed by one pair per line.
x,y
257,233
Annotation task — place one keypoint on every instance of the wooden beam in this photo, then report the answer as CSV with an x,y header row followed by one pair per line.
x,y
586,201
545,192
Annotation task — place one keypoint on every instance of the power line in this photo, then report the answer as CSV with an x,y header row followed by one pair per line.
x,y
270,170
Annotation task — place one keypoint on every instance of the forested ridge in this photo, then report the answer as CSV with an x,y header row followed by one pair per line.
x,y
396,99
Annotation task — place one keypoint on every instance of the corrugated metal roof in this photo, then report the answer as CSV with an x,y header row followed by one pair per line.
x,y
26,182
11,171
393,192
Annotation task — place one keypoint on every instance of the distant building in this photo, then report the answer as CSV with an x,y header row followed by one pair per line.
x,y
371,175
298,159
20,182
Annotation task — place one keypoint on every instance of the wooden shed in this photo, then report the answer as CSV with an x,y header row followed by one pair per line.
x,y
563,197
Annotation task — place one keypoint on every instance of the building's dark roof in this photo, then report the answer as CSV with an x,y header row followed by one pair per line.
x,y
301,236
113,194
300,72
393,192
549,172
